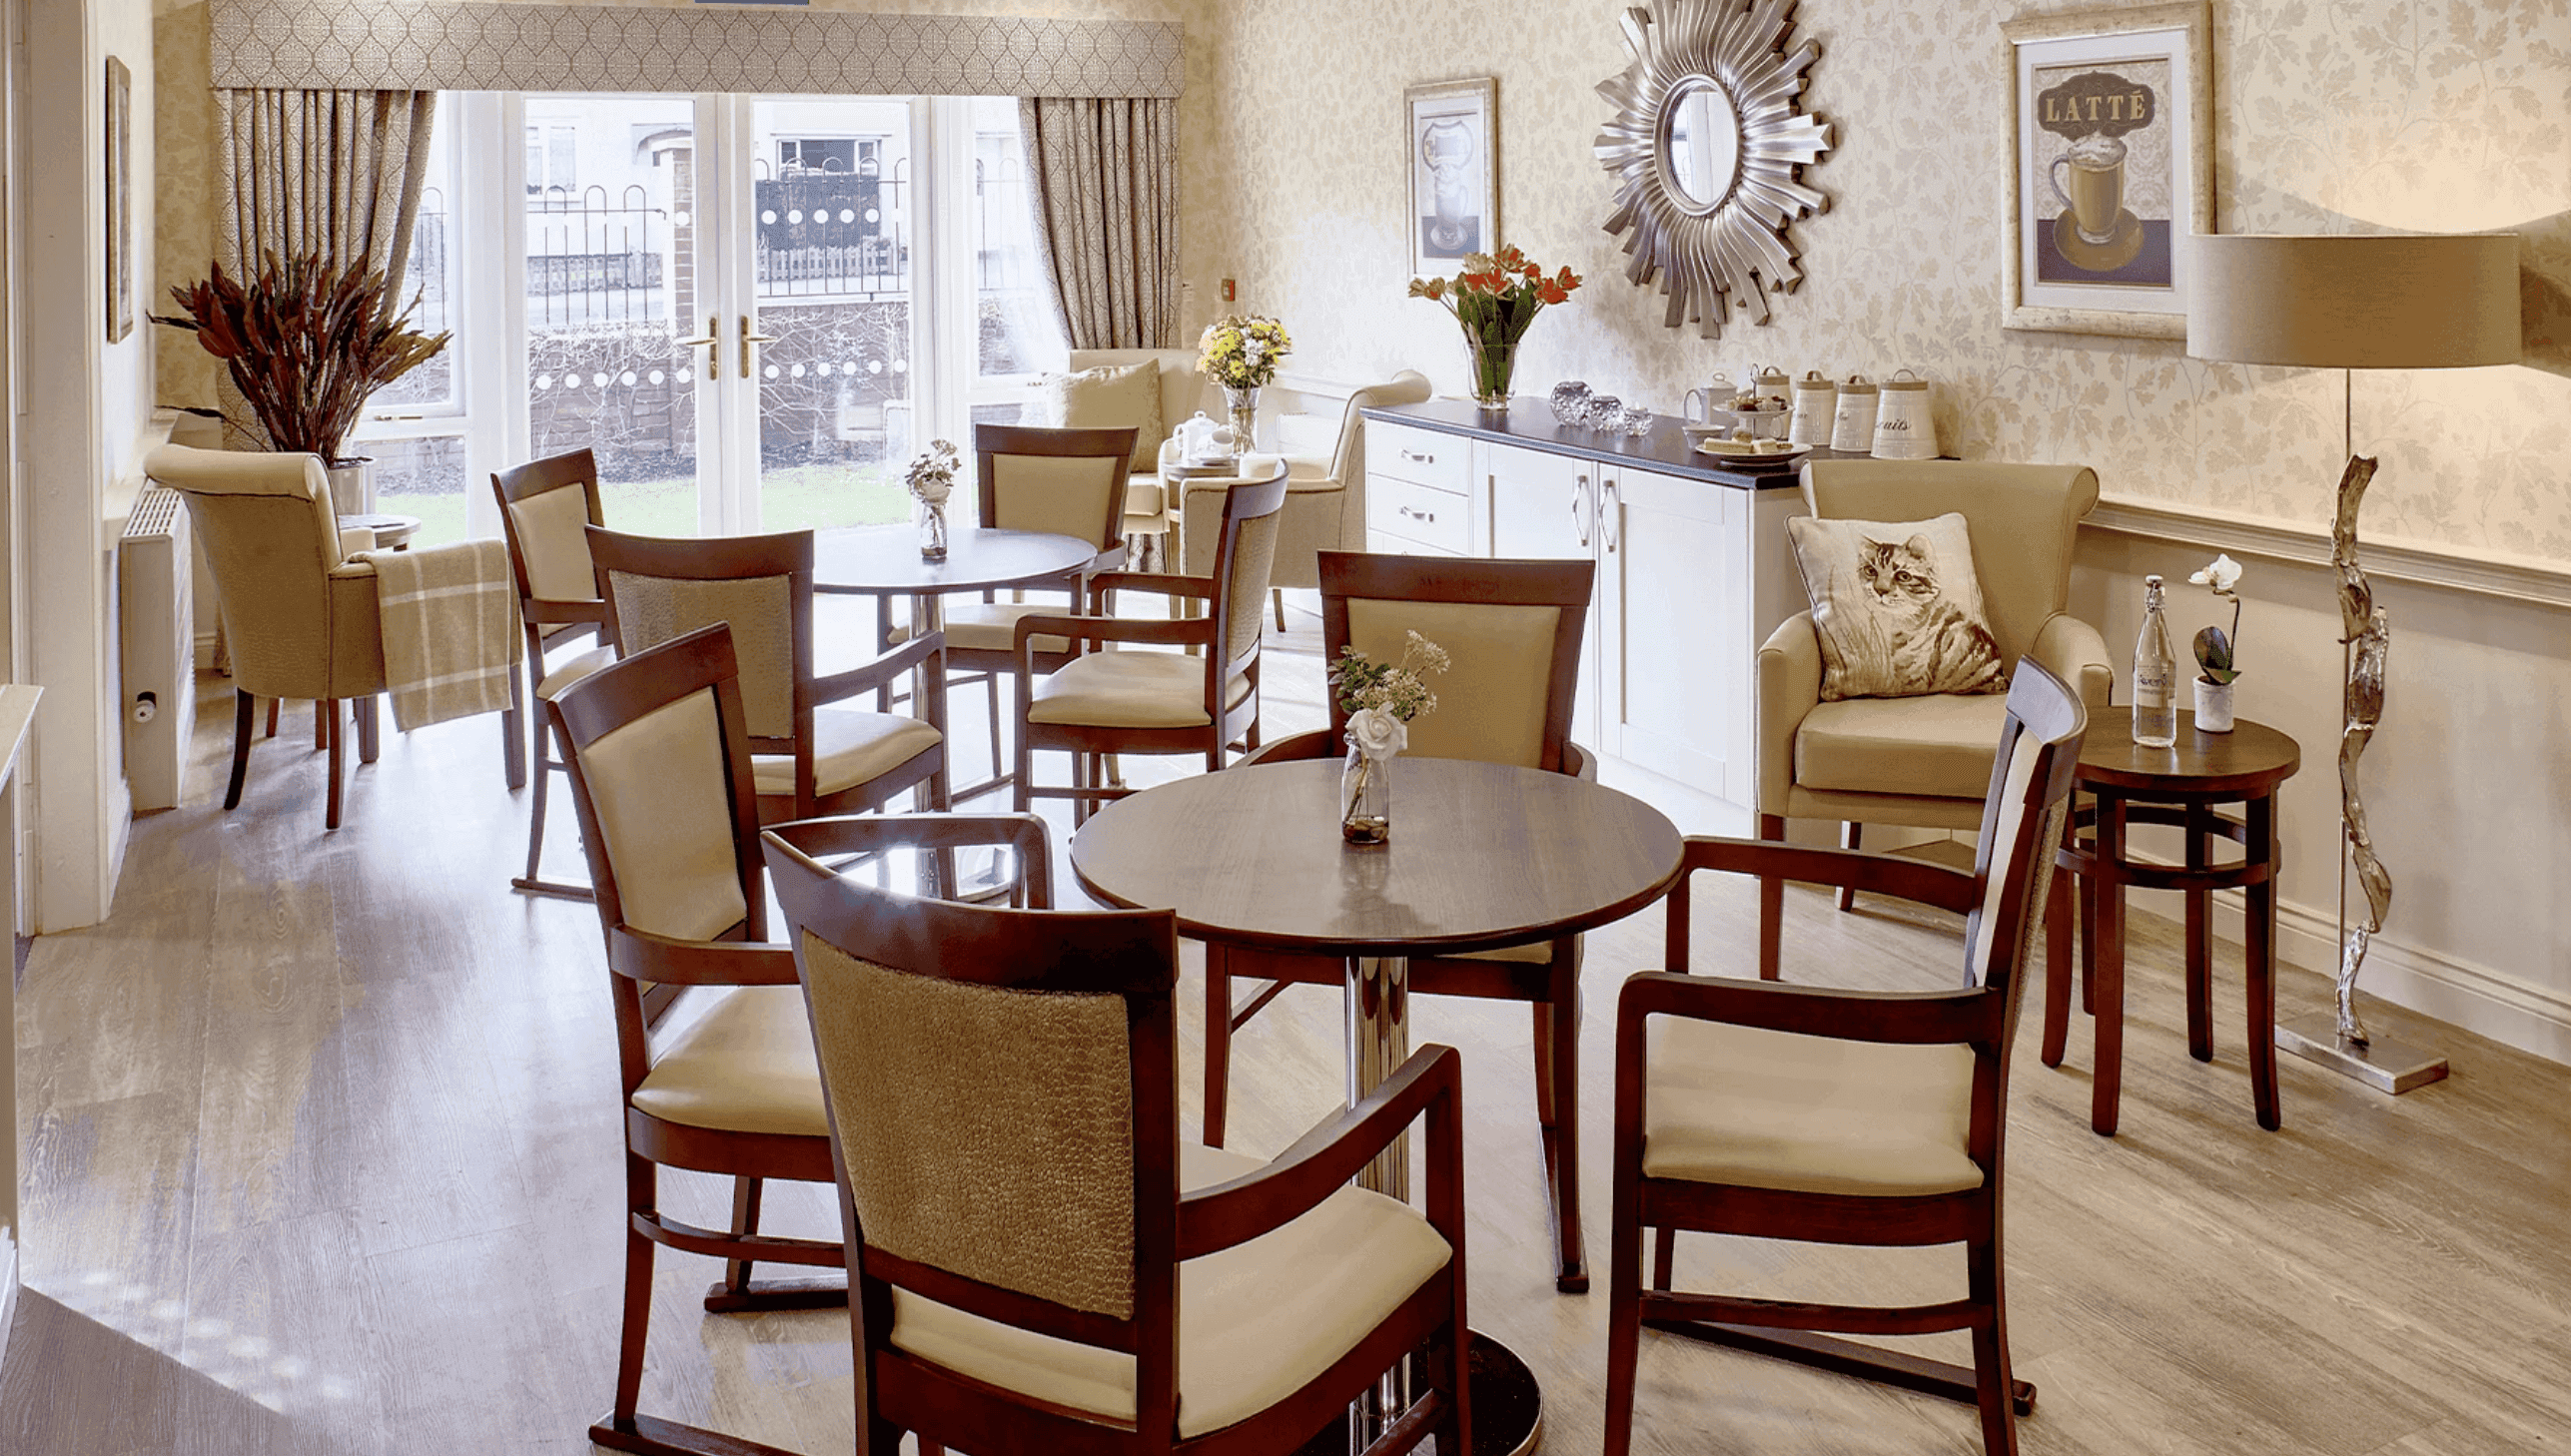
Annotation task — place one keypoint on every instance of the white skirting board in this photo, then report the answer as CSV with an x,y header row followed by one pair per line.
x,y
8,1289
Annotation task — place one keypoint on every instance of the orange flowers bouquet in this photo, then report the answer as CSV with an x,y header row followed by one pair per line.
x,y
1493,299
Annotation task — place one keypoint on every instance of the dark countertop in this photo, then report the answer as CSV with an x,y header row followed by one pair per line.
x,y
1529,421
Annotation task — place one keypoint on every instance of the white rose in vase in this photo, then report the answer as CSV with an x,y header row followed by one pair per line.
x,y
933,492
1378,734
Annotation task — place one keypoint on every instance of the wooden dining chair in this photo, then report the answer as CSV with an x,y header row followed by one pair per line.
x,y
1036,1262
1120,700
545,509
1511,630
810,759
1766,1111
657,750
1028,478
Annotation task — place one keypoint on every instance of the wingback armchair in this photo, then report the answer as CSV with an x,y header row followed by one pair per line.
x,y
301,619
1922,762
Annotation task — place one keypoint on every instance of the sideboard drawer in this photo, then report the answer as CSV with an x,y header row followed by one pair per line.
x,y
1424,457
1418,513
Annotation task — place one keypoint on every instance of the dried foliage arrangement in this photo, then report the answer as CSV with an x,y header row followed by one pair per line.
x,y
306,342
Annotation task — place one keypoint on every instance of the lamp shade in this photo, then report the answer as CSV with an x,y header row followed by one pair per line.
x,y
2392,300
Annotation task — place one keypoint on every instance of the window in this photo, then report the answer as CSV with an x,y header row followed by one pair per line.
x,y
553,158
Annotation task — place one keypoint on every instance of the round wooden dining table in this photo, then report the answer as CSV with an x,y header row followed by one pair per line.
x,y
1481,856
886,561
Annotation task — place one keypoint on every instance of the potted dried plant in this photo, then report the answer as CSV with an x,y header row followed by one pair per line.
x,y
306,342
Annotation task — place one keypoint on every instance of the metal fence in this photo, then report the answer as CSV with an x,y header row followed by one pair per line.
x,y
591,258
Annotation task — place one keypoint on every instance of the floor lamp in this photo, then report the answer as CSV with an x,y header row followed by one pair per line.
x,y
2402,301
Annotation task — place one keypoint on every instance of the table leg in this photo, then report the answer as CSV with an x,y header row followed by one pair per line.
x,y
2089,931
1508,1408
2108,1023
2261,957
2058,950
2199,939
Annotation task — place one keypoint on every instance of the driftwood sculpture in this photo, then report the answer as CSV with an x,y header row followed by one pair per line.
x,y
2367,635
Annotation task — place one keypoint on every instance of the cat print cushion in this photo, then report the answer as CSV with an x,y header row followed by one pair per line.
x,y
1897,608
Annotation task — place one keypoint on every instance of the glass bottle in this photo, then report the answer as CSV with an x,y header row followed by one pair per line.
x,y
2155,675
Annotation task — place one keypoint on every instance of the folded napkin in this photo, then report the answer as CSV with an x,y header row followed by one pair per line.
x,y
451,636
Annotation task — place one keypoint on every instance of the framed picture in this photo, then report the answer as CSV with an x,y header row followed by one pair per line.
x,y
120,200
2112,169
1454,173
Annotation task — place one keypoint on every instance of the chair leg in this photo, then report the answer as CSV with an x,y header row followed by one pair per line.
x,y
320,725
1624,1299
1771,903
1850,836
745,1220
1664,1259
992,682
332,736
273,705
1020,796
370,733
535,815
1218,1042
513,734
1993,1386
1278,593
641,1180
1557,1111
245,708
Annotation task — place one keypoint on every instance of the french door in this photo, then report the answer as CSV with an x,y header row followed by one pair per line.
x,y
754,310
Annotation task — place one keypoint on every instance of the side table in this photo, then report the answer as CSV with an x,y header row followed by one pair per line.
x,y
2181,785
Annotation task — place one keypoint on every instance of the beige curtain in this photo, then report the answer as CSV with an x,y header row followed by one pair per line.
x,y
1106,172
330,172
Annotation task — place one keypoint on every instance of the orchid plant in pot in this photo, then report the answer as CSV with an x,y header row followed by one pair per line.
x,y
1379,699
2215,673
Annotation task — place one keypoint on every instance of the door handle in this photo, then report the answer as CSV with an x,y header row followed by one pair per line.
x,y
748,338
1611,506
1579,493
712,344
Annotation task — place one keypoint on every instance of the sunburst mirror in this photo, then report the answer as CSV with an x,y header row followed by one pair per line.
x,y
1708,147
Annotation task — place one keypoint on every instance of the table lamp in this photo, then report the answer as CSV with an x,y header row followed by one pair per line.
x,y
2398,300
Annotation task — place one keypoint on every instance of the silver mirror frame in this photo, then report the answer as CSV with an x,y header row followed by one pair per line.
x,y
1706,256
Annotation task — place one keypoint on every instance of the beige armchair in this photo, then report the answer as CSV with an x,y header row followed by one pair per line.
x,y
1184,391
1324,513
1922,762
301,619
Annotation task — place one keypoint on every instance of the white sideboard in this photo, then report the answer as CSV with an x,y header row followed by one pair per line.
x,y
1693,573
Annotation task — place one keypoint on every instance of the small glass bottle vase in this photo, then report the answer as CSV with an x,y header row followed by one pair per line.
x,y
1365,798
932,530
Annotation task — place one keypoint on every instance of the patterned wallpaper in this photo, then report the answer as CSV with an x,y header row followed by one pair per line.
x,y
2442,115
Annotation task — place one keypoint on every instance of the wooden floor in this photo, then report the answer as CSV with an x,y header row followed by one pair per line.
x,y
321,1155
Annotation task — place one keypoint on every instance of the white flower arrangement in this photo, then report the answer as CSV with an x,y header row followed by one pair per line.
x,y
1380,698
932,473
2214,646
1243,352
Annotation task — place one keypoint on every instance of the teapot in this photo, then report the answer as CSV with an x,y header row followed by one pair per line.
x,y
1702,405
1201,439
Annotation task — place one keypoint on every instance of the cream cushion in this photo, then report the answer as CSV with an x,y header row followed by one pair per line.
x,y
1111,396
1897,607
1115,689
1492,696
1757,1108
554,540
848,748
1939,746
1256,1322
992,626
571,670
745,1065
1143,496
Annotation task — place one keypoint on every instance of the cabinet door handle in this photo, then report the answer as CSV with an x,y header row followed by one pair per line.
x,y
1611,506
1411,454
1430,516
1579,493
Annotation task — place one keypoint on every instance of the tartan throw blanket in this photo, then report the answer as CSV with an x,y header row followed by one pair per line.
x,y
451,640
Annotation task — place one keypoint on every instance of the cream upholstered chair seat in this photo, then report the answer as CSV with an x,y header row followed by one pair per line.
x,y
570,670
1256,1322
1759,1108
849,747
1938,744
744,1066
991,626
1129,689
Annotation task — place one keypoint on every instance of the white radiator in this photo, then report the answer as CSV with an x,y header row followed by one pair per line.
x,y
159,642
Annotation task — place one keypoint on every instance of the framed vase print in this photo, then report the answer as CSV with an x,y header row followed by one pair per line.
x,y
1454,173
2112,114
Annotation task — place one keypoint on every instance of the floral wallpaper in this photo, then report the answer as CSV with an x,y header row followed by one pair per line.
x,y
2438,115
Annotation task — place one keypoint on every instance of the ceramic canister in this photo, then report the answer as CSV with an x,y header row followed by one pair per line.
x,y
1854,429
1904,427
1814,398
1767,380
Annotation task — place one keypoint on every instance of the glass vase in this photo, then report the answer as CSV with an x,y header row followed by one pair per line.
x,y
1494,360
1366,799
932,530
1243,408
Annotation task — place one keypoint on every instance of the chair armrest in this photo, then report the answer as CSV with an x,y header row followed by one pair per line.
x,y
1106,583
2072,650
1322,1161
1190,632
642,956
1293,748
881,673
351,570
815,840
1917,881
546,612
1891,1017
1789,687
1580,762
